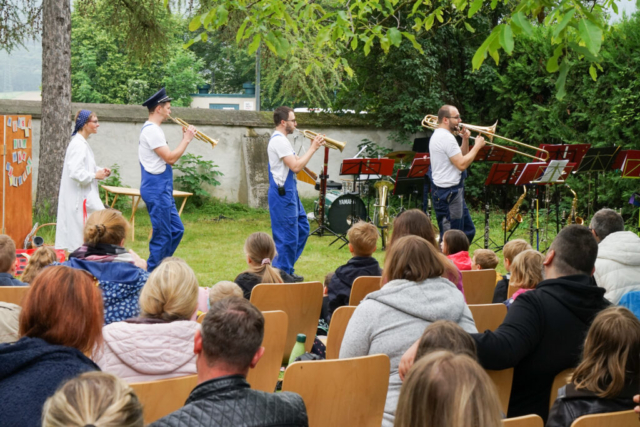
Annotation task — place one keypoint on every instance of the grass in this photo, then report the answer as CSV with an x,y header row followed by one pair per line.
x,y
215,234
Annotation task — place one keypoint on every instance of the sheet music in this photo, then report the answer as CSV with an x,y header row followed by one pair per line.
x,y
554,171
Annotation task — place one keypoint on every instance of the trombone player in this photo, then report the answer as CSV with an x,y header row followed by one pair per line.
x,y
449,163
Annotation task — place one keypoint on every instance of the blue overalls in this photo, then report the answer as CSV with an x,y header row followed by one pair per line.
x,y
451,208
157,193
289,223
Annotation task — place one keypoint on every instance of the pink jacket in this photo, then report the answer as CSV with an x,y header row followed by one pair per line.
x,y
461,260
139,352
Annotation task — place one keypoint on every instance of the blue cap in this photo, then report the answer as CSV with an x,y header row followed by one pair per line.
x,y
157,98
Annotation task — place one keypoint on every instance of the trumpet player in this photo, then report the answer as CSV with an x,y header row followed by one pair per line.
x,y
289,223
449,163
156,188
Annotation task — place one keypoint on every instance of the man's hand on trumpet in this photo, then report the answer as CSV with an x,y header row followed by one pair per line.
x,y
317,142
188,133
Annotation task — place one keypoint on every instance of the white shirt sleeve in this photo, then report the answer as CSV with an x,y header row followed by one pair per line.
x,y
451,147
282,147
76,162
153,136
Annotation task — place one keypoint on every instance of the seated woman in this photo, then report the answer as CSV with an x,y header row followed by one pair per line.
x,y
455,245
444,389
159,343
121,274
390,320
61,321
260,251
42,257
608,376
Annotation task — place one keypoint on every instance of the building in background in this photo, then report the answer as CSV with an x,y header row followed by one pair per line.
x,y
228,101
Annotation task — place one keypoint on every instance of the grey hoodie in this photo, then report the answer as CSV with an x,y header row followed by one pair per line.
x,y
390,320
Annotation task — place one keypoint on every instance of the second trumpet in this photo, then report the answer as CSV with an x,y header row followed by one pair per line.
x,y
199,135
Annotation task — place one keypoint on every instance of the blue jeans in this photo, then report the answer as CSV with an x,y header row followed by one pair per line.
x,y
451,210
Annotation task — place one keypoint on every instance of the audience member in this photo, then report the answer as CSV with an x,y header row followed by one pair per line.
x,y
260,251
9,322
609,374
159,343
325,318
526,273
618,263
484,259
455,246
228,345
8,262
42,257
388,321
121,274
93,399
362,237
510,250
446,335
448,390
60,322
224,289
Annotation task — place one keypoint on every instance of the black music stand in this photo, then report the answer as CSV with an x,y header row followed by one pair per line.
x,y
408,181
500,174
597,159
324,176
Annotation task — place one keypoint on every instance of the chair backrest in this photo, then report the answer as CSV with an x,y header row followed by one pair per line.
x,y
511,290
301,301
13,294
162,397
201,318
339,321
344,392
562,379
503,381
362,287
488,316
612,419
478,286
525,421
264,376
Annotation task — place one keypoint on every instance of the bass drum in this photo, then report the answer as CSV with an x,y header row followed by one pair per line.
x,y
341,212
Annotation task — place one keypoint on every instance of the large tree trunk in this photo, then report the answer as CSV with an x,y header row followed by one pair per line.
x,y
55,127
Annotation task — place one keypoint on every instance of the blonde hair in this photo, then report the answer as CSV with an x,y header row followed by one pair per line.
x,y
42,257
93,398
261,249
447,390
413,258
7,253
106,226
486,258
171,292
610,357
224,289
363,236
514,247
526,269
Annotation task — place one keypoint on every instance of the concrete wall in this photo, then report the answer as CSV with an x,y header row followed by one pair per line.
x,y
237,155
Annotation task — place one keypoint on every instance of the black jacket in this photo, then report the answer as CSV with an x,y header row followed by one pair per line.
x,y
501,291
229,402
248,281
541,336
572,404
342,280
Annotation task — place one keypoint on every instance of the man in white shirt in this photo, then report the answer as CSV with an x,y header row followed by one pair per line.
x,y
289,222
448,162
156,189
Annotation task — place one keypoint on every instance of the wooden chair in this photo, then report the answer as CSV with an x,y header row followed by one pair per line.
x,y
478,286
525,421
362,287
301,301
337,328
201,318
488,316
562,379
503,381
265,375
612,419
13,294
511,290
345,392
162,397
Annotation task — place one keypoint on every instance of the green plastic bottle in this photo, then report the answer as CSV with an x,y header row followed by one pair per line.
x,y
298,348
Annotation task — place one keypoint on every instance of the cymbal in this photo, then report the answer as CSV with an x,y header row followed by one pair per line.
x,y
404,156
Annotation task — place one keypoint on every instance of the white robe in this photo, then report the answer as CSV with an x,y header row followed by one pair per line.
x,y
77,184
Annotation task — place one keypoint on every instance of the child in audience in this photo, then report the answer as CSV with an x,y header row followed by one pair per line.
x,y
362,237
9,322
608,376
325,318
526,273
510,250
260,251
224,289
8,262
93,399
484,259
448,390
43,256
455,245
446,335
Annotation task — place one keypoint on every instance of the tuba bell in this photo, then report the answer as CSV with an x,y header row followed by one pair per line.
x,y
381,215
329,142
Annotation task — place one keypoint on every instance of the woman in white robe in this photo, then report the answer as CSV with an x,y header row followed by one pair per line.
x,y
79,196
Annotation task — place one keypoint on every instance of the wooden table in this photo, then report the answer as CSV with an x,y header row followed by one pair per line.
x,y
134,193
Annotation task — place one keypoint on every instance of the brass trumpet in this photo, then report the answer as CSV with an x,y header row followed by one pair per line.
x,y
331,143
199,135
431,122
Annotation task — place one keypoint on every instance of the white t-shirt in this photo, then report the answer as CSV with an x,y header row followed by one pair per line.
x,y
279,147
443,146
151,137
